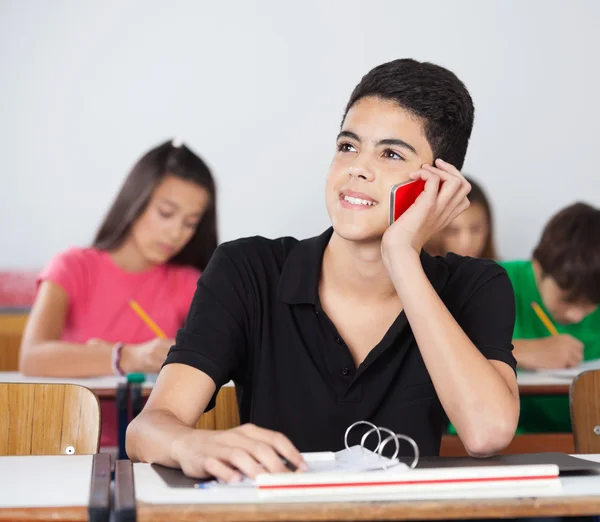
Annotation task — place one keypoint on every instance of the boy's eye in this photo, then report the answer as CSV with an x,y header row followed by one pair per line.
x,y
391,154
345,147
165,213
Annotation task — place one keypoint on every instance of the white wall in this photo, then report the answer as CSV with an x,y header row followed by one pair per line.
x,y
258,88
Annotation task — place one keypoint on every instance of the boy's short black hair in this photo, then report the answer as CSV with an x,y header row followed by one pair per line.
x,y
569,252
433,94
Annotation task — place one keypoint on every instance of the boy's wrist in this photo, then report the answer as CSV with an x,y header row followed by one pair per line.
x,y
181,442
401,261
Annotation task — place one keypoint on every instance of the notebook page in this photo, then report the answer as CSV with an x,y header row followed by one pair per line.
x,y
356,459
574,372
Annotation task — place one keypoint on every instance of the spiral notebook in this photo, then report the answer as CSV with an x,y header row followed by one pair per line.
x,y
358,470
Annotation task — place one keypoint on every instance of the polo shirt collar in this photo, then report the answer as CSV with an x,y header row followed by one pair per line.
x,y
299,280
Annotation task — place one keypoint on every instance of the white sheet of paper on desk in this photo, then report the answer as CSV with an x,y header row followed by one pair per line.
x,y
354,460
569,373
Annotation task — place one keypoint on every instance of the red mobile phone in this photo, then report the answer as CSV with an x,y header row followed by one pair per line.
x,y
402,196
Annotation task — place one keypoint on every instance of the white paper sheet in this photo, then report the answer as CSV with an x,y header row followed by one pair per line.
x,y
574,372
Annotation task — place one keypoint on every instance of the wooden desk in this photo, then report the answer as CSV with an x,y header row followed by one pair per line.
x,y
103,387
576,496
73,487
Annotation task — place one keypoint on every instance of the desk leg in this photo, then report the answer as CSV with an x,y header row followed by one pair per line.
x,y
122,400
137,402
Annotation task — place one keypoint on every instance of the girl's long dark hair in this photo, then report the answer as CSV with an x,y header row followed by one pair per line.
x,y
133,198
435,246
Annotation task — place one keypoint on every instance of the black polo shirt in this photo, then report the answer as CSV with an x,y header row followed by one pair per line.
x,y
256,319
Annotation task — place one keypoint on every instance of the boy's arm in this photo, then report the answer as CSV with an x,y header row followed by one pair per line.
x,y
480,396
210,349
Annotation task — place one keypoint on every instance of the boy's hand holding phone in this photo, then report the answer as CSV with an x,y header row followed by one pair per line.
x,y
444,196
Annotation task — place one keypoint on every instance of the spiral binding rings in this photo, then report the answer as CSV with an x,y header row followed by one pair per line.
x,y
381,443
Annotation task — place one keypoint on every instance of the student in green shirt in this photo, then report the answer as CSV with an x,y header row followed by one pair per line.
x,y
563,278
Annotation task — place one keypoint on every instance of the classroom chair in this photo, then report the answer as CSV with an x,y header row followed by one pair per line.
x,y
584,397
224,415
48,419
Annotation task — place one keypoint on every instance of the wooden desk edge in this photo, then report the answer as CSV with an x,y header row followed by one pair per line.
x,y
71,514
111,393
524,389
544,389
384,510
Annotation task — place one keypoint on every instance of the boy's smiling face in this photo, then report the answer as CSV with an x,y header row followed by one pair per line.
x,y
379,145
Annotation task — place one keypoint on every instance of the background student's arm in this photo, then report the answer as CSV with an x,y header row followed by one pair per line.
x,y
480,396
44,354
554,352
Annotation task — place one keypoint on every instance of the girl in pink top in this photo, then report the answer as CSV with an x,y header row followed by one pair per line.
x,y
154,242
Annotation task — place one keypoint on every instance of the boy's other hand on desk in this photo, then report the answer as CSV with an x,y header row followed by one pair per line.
x,y
145,357
226,455
556,352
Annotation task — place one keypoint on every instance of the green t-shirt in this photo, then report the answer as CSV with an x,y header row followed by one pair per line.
x,y
549,413
545,414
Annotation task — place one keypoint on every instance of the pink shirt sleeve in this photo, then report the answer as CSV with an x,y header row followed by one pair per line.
x,y
188,281
66,270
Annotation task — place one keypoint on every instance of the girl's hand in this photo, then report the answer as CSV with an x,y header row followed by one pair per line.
x,y
145,357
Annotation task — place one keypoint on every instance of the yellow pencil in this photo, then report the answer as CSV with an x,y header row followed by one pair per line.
x,y
544,318
146,318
